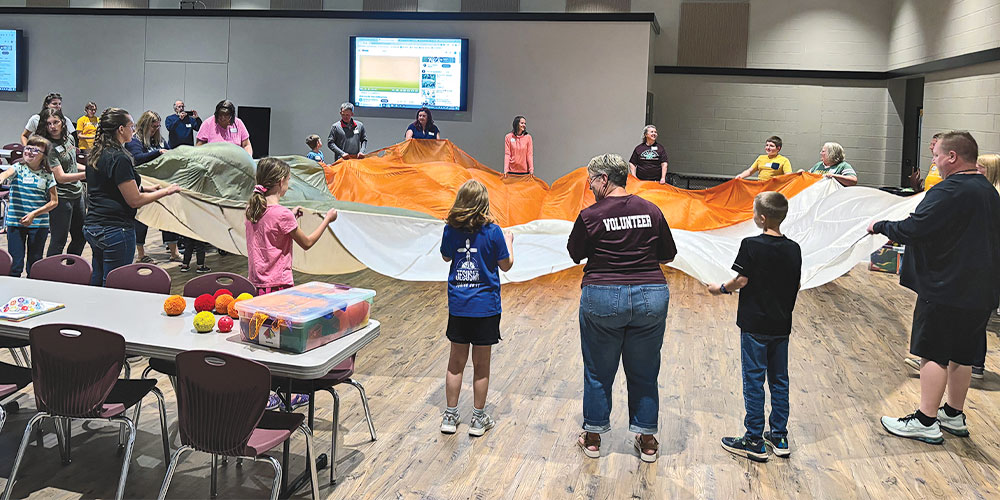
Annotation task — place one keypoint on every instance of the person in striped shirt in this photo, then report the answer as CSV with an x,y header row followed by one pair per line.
x,y
32,196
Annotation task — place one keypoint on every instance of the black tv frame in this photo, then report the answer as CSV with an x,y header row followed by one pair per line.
x,y
20,67
463,90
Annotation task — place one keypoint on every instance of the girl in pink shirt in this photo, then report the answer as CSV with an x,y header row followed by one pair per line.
x,y
517,149
271,228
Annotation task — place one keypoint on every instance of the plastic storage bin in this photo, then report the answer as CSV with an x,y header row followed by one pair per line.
x,y
304,317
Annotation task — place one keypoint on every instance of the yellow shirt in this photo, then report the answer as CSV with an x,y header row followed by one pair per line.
x,y
933,177
770,167
86,130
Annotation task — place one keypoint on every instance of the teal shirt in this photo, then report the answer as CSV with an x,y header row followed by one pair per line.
x,y
842,168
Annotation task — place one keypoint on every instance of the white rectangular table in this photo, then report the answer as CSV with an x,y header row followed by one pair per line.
x,y
148,331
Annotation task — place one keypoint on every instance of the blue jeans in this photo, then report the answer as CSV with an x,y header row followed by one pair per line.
x,y
622,322
20,239
113,247
765,358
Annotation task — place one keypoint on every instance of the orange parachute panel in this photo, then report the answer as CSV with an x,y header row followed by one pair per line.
x,y
424,175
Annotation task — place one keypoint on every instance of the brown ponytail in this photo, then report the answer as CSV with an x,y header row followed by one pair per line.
x,y
270,173
105,137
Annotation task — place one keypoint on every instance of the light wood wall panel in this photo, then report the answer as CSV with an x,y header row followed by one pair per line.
x,y
713,34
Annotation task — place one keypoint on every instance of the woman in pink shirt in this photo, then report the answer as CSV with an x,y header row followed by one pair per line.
x,y
223,126
517,150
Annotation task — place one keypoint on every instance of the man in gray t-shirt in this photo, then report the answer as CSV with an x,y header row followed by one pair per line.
x,y
347,136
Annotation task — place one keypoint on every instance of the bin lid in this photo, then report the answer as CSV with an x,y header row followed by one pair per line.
x,y
305,302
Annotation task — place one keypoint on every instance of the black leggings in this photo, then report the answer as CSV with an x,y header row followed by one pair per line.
x,y
66,221
195,246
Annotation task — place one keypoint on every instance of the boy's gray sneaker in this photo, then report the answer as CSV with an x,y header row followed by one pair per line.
x,y
480,425
953,425
910,427
978,372
449,422
912,363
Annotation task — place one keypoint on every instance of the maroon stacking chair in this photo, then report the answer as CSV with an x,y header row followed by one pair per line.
x,y
12,379
64,268
5,263
139,277
75,374
208,283
341,374
16,151
220,410
16,346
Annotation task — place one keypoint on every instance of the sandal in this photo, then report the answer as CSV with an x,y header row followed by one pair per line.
x,y
147,260
644,444
588,440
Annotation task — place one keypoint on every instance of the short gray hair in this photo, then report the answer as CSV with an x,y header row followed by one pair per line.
x,y
347,105
645,130
835,152
610,164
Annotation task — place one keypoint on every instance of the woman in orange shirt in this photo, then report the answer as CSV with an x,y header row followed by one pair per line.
x,y
517,149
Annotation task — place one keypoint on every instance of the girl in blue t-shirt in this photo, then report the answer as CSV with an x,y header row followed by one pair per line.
x,y
476,249
32,196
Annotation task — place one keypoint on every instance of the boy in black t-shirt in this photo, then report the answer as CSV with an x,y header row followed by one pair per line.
x,y
769,267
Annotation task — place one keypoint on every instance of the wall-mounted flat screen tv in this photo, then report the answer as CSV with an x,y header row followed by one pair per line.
x,y
391,72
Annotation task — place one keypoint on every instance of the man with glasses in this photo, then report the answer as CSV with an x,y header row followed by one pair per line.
x,y
181,126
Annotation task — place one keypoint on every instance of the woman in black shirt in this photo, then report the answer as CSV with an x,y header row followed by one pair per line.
x,y
114,194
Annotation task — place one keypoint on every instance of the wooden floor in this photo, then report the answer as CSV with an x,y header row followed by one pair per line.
x,y
848,342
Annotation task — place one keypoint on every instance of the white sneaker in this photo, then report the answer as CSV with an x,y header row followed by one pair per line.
x,y
480,425
912,363
910,427
954,425
449,422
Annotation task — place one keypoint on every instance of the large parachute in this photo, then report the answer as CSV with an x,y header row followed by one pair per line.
x,y
392,204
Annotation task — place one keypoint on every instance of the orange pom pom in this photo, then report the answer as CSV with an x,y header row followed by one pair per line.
x,y
222,303
233,313
174,305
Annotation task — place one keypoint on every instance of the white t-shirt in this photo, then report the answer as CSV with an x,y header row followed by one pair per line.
x,y
33,124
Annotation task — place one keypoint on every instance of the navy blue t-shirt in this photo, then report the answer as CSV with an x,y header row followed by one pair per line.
x,y
432,132
474,278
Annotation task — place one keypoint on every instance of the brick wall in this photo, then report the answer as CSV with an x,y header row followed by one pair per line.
x,y
718,125
927,30
964,99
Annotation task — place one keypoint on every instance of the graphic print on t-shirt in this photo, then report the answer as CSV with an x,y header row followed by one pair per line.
x,y
649,154
467,273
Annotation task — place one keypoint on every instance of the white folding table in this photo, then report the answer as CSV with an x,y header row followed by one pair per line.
x,y
148,331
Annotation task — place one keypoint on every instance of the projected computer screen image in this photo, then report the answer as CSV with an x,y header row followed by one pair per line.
x,y
11,61
409,72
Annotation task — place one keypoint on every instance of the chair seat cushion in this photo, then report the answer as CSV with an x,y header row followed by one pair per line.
x,y
8,342
6,389
164,366
125,394
13,375
335,377
273,429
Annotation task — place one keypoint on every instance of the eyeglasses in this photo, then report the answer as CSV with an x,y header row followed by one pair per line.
x,y
32,150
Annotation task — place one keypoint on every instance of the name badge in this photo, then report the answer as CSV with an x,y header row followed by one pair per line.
x,y
652,148
512,140
188,125
233,130
431,134
60,149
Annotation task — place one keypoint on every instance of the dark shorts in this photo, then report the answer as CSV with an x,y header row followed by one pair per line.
x,y
946,334
475,331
